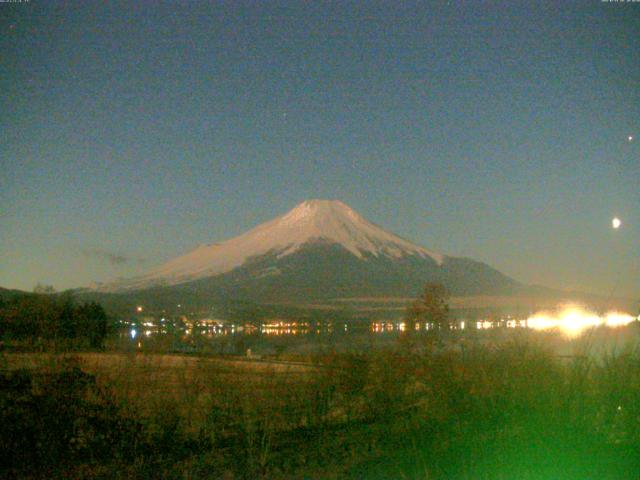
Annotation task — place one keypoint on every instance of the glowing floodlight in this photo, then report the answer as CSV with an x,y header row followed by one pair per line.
x,y
573,320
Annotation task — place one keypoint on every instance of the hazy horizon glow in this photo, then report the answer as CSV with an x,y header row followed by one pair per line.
x,y
133,132
574,320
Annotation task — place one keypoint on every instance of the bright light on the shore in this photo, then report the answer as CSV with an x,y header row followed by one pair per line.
x,y
616,319
573,321
616,223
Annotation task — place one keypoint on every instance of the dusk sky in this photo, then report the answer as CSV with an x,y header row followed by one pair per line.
x,y
500,131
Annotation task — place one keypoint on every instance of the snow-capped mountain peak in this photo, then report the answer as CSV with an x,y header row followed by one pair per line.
x,y
311,221
336,222
312,210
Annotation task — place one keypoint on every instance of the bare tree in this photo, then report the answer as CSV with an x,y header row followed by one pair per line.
x,y
432,308
40,288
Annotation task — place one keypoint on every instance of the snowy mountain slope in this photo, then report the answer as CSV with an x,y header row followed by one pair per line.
x,y
326,221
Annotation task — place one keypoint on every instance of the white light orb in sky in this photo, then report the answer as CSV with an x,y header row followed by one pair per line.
x,y
616,223
630,138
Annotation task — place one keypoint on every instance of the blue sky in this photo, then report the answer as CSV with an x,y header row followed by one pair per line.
x,y
134,131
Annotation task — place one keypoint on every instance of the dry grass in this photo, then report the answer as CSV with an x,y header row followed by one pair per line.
x,y
500,406
148,383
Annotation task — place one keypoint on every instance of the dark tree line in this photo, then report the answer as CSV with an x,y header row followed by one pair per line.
x,y
51,318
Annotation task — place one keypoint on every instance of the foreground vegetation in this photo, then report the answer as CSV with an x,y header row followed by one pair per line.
x,y
507,410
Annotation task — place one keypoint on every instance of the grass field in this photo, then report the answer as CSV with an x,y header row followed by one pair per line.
x,y
500,407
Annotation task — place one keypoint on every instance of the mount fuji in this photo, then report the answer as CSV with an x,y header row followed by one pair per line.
x,y
321,249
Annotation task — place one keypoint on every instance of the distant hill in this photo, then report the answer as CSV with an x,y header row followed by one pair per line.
x,y
9,293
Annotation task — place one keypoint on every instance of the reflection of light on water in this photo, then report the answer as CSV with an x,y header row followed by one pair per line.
x,y
574,320
278,328
483,325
